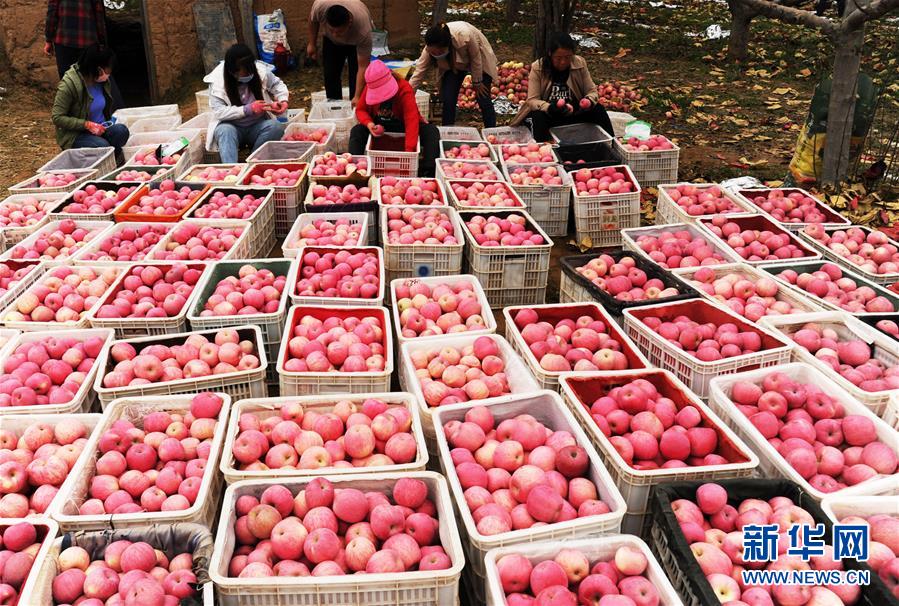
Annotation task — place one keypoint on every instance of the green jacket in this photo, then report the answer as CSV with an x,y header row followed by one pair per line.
x,y
72,106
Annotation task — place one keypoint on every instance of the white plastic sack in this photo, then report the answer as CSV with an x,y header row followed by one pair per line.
x,y
270,31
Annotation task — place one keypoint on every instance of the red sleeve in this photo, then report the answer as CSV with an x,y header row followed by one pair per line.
x,y
411,117
362,110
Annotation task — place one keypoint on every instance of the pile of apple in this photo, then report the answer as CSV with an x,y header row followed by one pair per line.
x,y
228,206
527,153
252,291
396,190
487,194
513,230
708,342
455,169
328,232
602,181
698,200
468,151
93,200
339,274
10,275
517,473
812,432
36,462
581,344
751,297
279,177
535,174
327,531
131,242
197,357
450,375
851,358
367,434
196,242
20,545
448,307
623,279
151,291
57,179
23,213
713,528
653,143
319,135
788,206
350,344
63,294
506,139
569,579
129,573
330,164
60,242
49,371
164,200
755,244
420,226
681,248
140,175
147,157
215,174
872,251
339,194
883,548
829,284
615,96
511,85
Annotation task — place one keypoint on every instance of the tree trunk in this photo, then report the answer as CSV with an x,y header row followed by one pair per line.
x,y
738,42
552,16
513,7
841,110
438,11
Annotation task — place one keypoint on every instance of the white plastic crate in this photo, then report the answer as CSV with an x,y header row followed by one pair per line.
x,y
558,311
598,549
507,134
101,158
650,167
547,407
305,127
459,133
372,204
92,254
240,250
434,587
629,238
178,168
264,408
199,122
36,577
422,260
828,254
399,163
291,245
771,463
669,211
341,113
287,199
447,144
310,383
190,175
891,413
84,398
76,489
510,275
60,210
510,162
762,222
423,101
155,174
17,288
261,237
283,151
321,95
128,115
620,120
636,485
31,186
377,195
695,373
548,204
838,507
833,218
154,124
599,220
194,150
202,99
572,292
126,328
12,235
338,301
239,385
441,163
885,349
516,202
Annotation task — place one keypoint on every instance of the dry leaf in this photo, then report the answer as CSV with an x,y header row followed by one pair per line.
x,y
743,160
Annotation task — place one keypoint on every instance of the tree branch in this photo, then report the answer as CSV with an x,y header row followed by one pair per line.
x,y
874,10
795,16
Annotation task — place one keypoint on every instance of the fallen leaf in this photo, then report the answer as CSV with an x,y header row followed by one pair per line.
x,y
622,52
783,91
752,162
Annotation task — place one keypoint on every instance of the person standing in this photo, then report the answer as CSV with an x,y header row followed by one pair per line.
x,y
346,29
72,26
456,49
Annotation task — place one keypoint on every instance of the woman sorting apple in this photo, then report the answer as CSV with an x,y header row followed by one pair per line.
x,y
561,91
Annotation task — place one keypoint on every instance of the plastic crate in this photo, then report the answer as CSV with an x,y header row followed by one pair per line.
x,y
310,383
422,260
508,163
650,167
547,407
459,133
423,101
92,254
516,204
695,373
771,463
838,507
182,165
441,199
832,217
60,210
507,134
76,488
446,144
599,220
126,328
510,275
283,151
265,408
154,124
156,174
883,348
555,312
193,151
630,237
15,289
84,398
891,412
11,234
261,237
240,250
128,115
599,549
548,204
829,254
288,199
239,385
435,587
303,127
189,177
620,120
669,211
101,158
338,301
31,186
370,208
440,171
122,214
290,246
320,95
46,531
341,114
388,155
762,222
202,99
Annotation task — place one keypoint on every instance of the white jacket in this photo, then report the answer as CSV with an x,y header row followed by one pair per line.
x,y
273,89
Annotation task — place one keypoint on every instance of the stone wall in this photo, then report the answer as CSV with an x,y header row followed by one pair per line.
x,y
173,44
22,36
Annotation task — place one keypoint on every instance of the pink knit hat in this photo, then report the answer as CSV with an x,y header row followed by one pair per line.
x,y
380,84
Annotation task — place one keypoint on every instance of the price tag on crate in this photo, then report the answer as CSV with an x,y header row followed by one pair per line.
x,y
513,272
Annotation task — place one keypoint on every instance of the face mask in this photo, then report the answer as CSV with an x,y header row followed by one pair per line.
x,y
440,57
245,79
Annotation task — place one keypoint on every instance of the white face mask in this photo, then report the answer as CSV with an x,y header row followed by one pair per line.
x,y
440,57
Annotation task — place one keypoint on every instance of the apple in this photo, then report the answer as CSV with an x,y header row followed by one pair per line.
x,y
254,290
195,241
330,164
166,200
623,279
415,226
677,247
830,284
415,191
348,274
340,231
339,194
355,343
447,306
57,240
602,181
221,205
214,173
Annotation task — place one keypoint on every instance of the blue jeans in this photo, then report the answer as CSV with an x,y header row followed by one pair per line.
x,y
230,138
449,95
115,136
